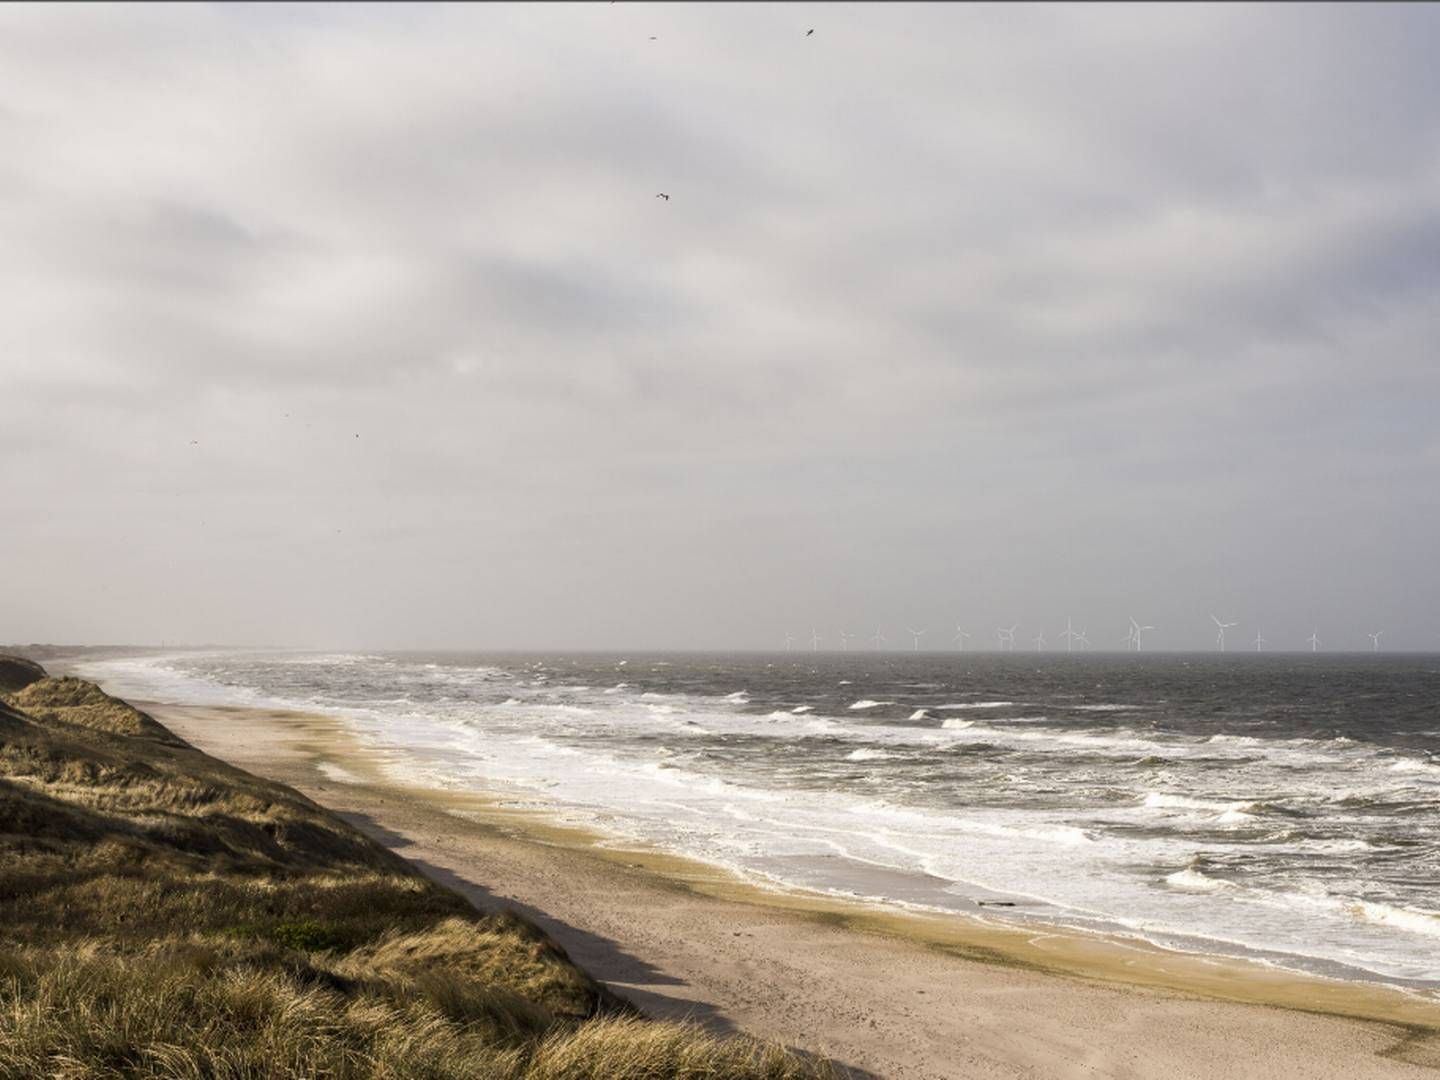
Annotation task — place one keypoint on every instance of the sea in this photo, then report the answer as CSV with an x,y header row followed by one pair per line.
x,y
1281,808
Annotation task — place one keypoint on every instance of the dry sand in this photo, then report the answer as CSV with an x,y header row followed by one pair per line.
x,y
893,996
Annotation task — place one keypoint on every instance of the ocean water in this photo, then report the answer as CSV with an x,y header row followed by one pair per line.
x,y
1284,808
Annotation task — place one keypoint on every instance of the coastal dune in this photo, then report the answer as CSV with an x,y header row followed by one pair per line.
x,y
164,913
880,993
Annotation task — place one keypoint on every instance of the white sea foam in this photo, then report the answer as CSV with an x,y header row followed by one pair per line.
x,y
920,714
1415,765
865,753
866,703
1235,740
1224,813
953,724
1412,920
1236,815
802,709
1191,880
1162,800
979,705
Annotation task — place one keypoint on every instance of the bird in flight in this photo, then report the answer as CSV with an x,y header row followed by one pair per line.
x,y
662,195
809,32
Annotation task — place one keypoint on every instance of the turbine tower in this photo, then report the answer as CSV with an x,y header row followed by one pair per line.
x,y
1375,640
789,641
1069,635
1314,641
1082,639
916,635
1258,641
878,637
1220,639
814,640
960,636
845,641
1007,637
1039,640
1136,630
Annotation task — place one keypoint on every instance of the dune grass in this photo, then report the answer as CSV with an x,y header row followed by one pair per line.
x,y
163,914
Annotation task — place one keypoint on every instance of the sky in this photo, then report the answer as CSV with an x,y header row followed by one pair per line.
x,y
364,327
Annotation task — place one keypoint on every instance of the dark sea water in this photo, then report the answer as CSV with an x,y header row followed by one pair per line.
x,y
1282,807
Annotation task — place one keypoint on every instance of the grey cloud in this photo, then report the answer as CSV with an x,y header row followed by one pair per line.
x,y
1002,310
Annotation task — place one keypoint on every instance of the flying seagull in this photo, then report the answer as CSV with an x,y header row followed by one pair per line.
x,y
809,32
662,195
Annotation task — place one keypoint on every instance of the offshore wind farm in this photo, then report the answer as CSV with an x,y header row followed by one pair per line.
x,y
1131,642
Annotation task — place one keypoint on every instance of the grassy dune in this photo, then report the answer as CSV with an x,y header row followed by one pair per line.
x,y
164,914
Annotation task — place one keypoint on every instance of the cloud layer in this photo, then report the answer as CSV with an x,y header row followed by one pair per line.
x,y
364,326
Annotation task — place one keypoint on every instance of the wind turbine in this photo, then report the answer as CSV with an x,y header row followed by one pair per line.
x,y
1375,640
1039,640
916,634
814,640
845,641
1069,635
1220,639
789,641
1258,641
1007,637
1136,630
1313,640
878,637
960,636
1082,639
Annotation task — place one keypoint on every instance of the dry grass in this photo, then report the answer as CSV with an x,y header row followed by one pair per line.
x,y
165,915
75,701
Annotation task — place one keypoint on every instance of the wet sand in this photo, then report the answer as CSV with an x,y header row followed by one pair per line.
x,y
880,992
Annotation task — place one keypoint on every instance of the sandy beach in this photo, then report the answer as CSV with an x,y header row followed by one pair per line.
x,y
882,994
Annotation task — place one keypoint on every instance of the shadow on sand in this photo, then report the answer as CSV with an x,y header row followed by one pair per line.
x,y
601,956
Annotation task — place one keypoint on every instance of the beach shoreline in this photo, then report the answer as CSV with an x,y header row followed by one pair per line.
x,y
882,991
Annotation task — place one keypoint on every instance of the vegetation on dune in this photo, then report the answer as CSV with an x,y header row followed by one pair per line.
x,y
83,704
163,914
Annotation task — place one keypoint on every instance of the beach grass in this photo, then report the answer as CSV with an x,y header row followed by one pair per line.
x,y
163,914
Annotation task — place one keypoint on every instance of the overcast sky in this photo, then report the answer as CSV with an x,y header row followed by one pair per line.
x,y
364,327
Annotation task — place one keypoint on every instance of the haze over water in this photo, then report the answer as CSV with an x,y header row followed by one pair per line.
x,y
1283,807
